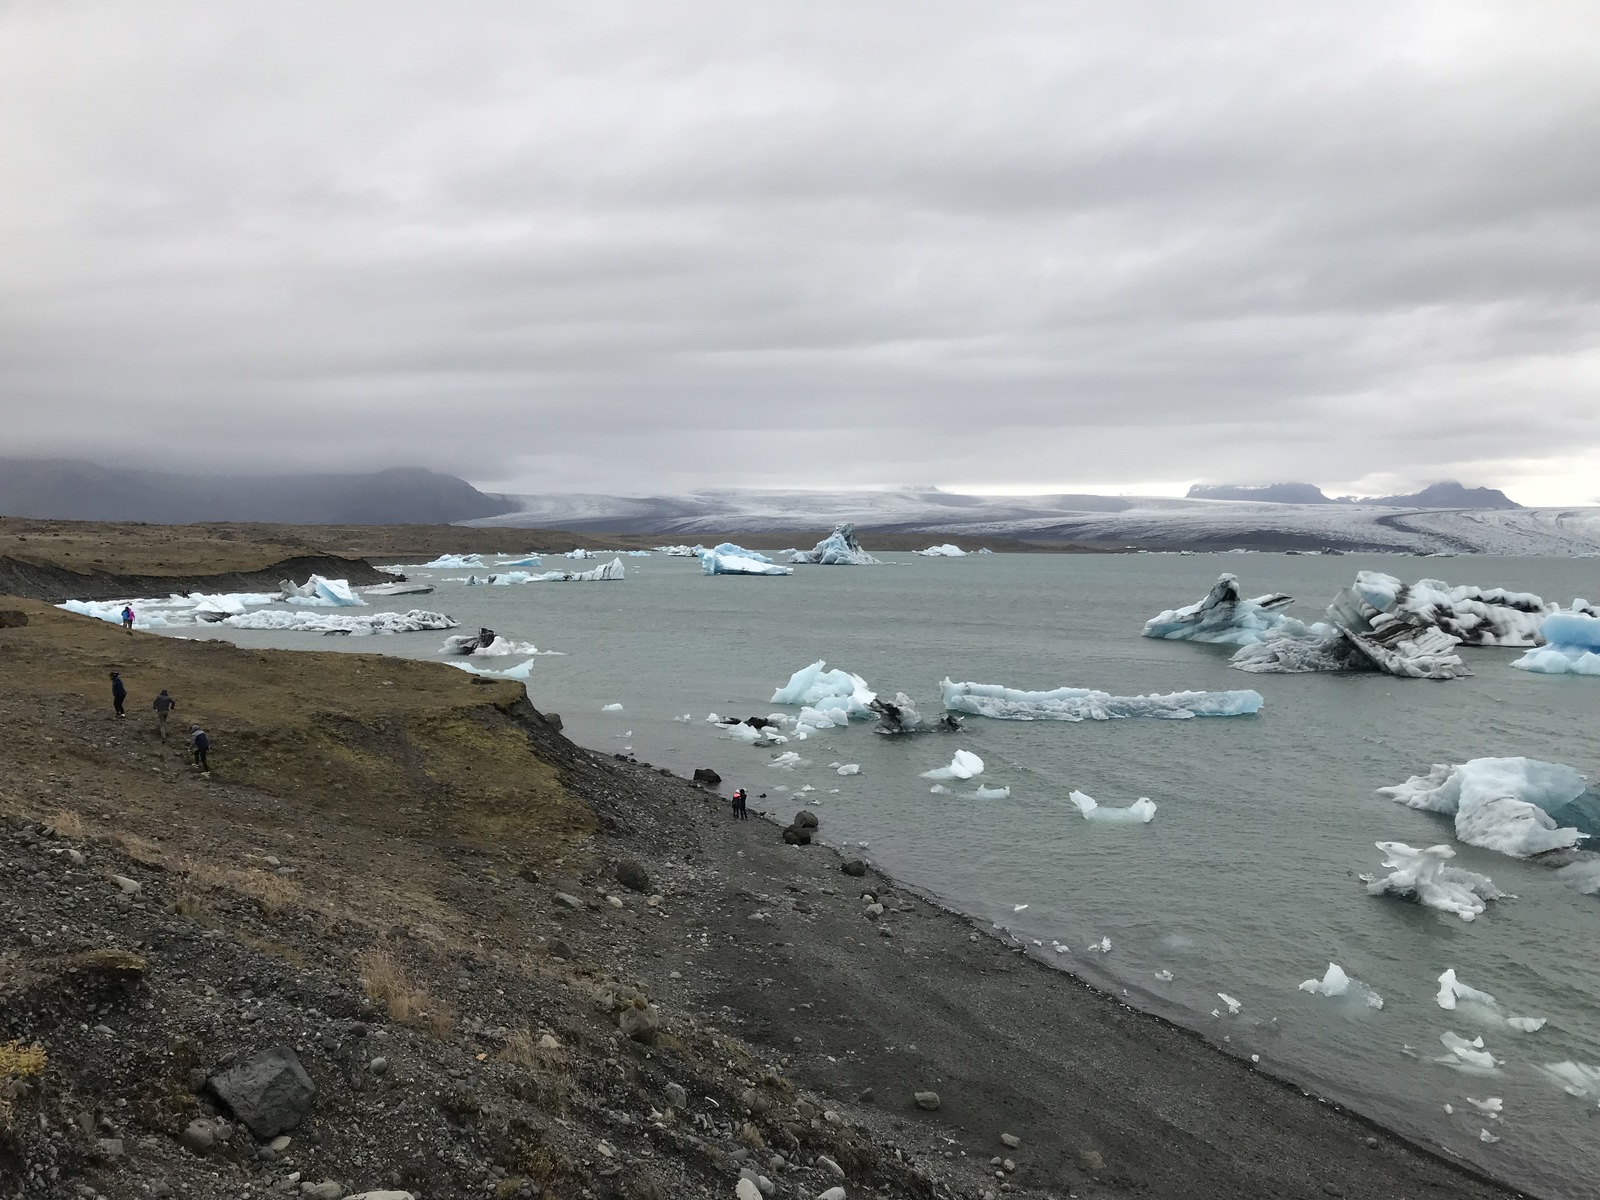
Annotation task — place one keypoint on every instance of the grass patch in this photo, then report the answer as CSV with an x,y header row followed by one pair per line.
x,y
386,982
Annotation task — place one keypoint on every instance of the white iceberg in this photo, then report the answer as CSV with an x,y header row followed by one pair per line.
x,y
611,570
1469,1057
989,793
611,708
333,593
456,562
415,621
1574,1078
1572,645
1502,804
839,548
947,550
1471,615
1141,812
527,560
1227,618
728,559
581,553
1423,875
679,551
1086,704
848,768
1454,996
965,765
523,670
498,647
789,760
828,691
1335,982
399,588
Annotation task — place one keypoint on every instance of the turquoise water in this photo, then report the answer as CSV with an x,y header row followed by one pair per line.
x,y
1246,881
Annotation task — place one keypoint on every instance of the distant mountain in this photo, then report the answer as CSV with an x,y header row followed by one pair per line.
x,y
1270,493
1448,494
80,491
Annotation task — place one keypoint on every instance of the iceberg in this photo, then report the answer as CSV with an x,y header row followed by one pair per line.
x,y
1574,1078
333,593
1470,1057
1335,982
414,621
1456,996
1572,645
527,560
989,793
965,765
400,588
1502,804
1471,615
1141,812
611,570
947,550
838,549
728,559
1086,704
494,647
827,691
898,717
579,552
1227,618
523,670
1423,875
453,562
679,551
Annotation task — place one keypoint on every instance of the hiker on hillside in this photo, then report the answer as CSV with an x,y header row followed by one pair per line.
x,y
164,705
201,745
119,693
127,617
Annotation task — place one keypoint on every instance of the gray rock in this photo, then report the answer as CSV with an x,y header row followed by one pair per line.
x,y
631,874
328,1189
866,1097
559,949
1010,1140
853,866
128,887
270,1093
873,911
386,1195
805,819
797,835
198,1136
281,1142
639,1024
927,1100
553,720
676,1096
112,1148
831,1167
379,1066
569,900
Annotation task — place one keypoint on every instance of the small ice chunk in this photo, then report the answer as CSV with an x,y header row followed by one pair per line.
x,y
1141,812
788,761
611,708
1335,982
1470,1057
939,789
850,769
1485,1136
1574,1078
1103,946
965,765
989,793
1452,990
1527,1024
1233,1005
1164,975
1493,1106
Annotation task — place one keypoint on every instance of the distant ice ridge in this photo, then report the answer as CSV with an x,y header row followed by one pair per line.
x,y
839,549
1503,804
611,570
1335,982
827,691
947,550
333,593
728,559
965,765
455,562
310,622
1573,644
527,560
1141,812
1423,875
1086,704
1227,618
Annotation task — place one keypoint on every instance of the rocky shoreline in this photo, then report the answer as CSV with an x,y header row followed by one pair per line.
x,y
228,986
56,583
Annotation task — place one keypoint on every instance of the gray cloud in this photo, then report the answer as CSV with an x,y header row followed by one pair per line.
x,y
645,247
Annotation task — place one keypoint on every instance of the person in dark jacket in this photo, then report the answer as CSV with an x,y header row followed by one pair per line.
x,y
164,705
119,693
201,745
740,812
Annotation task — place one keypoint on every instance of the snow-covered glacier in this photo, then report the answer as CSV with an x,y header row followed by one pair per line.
x,y
1572,645
839,549
1087,704
1503,804
729,559
1226,617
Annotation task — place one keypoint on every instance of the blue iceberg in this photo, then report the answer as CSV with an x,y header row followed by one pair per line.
x,y
1087,704
1572,645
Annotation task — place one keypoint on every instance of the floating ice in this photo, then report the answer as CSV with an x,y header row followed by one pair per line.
x,y
1164,975
898,717
947,550
989,793
752,734
789,760
581,553
611,570
1335,982
527,560
456,562
827,691
1424,875
965,765
1493,1106
1471,615
414,621
1141,812
1574,1078
728,559
1452,991
1583,875
849,768
1225,617
1086,704
611,708
1502,804
332,593
839,548
1573,646
1466,1056
679,551
523,670
1233,1005
498,647
939,789
399,588
1103,946
1455,996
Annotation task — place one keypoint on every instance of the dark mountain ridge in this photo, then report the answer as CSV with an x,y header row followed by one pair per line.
x,y
1448,494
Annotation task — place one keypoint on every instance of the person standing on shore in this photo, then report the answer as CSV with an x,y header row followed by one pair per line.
x,y
127,617
164,705
740,813
201,745
119,693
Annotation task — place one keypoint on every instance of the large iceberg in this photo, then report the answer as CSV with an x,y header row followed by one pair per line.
x,y
331,593
455,562
1226,617
611,570
1141,812
1424,876
1086,704
1572,644
1503,804
1474,616
679,551
838,549
947,550
827,691
358,626
728,559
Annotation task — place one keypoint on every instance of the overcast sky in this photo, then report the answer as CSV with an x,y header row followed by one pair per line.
x,y
660,246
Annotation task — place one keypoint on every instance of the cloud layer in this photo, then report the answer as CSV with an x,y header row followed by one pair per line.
x,y
629,247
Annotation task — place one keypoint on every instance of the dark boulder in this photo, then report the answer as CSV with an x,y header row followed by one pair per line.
x,y
11,618
270,1093
797,835
854,867
805,819
631,874
706,777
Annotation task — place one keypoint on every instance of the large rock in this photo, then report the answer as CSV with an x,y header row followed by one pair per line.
x,y
853,866
927,1100
797,835
706,777
639,1021
12,618
631,874
805,819
270,1094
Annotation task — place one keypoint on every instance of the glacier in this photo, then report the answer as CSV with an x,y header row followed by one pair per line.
x,y
728,559
947,550
1141,812
1086,704
1503,804
827,691
840,548
1572,644
965,765
358,626
1424,876
1225,617
1335,982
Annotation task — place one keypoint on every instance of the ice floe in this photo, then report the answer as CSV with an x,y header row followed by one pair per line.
x,y
611,570
494,647
1087,704
1335,983
965,765
1423,875
523,670
679,551
399,588
947,550
728,559
415,621
580,553
1572,645
827,691
1141,812
333,593
1574,1078
840,548
527,560
1502,804
1455,996
456,562
898,717
1468,1057
1226,617
989,793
